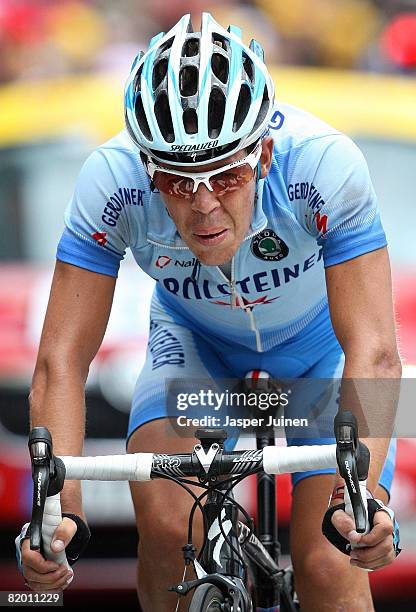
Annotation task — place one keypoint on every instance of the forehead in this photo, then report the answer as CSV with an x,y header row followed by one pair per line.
x,y
207,167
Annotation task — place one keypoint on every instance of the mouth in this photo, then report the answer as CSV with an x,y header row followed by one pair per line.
x,y
211,238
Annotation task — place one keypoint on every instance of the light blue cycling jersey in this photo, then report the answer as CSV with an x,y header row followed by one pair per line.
x,y
316,208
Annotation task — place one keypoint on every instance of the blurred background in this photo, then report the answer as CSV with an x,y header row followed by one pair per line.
x,y
62,69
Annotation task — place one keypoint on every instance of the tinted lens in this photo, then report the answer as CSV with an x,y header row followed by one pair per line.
x,y
231,180
173,185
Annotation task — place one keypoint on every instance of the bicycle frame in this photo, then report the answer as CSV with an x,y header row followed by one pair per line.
x,y
215,470
219,559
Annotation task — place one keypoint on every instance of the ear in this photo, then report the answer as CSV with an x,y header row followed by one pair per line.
x,y
266,156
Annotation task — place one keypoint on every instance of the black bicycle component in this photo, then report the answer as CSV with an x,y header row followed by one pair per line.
x,y
189,551
48,475
223,556
353,463
267,591
211,436
255,551
219,554
232,589
207,598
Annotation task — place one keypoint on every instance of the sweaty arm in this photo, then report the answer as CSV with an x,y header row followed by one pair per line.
x,y
89,255
340,210
78,310
361,307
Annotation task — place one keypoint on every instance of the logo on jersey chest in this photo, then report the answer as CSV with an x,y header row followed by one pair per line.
x,y
268,246
164,260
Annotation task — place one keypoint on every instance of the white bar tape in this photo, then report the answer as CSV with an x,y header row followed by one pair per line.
x,y
348,505
52,517
286,460
135,466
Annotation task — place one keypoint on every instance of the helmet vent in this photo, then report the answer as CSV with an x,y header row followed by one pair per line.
x,y
188,80
164,118
166,45
159,72
190,47
216,109
242,107
190,121
141,118
248,67
220,68
265,103
220,41
137,80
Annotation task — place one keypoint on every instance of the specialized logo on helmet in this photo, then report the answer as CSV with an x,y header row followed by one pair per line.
x,y
194,147
268,246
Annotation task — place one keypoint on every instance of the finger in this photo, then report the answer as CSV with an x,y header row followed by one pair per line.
x,y
345,525
49,578
58,585
33,559
377,564
382,528
372,553
63,534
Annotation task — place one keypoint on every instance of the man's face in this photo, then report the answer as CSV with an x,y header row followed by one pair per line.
x,y
214,226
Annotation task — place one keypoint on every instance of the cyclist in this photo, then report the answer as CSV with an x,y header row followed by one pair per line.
x,y
260,224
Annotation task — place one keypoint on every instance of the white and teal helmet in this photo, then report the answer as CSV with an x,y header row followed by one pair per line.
x,y
195,97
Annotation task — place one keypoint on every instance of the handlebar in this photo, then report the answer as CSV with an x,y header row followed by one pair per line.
x,y
208,462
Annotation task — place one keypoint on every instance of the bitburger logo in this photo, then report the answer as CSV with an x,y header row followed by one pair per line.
x,y
267,246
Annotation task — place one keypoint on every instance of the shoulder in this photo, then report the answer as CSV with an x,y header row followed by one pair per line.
x,y
292,127
306,146
115,162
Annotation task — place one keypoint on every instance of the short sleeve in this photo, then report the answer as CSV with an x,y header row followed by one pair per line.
x,y
95,235
333,195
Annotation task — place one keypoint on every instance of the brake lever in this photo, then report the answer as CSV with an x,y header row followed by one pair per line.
x,y
48,474
353,460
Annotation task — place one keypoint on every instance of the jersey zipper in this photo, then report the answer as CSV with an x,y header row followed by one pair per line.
x,y
236,299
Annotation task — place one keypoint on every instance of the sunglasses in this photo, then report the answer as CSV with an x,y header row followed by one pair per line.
x,y
221,181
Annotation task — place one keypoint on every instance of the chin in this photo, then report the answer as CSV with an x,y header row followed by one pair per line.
x,y
215,258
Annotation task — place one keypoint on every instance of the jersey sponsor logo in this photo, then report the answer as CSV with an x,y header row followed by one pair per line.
x,y
260,282
100,238
306,191
268,246
164,347
194,147
125,196
321,223
162,261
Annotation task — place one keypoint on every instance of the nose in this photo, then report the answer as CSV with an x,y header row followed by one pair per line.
x,y
204,200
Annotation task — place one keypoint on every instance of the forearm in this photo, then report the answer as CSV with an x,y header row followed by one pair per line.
x,y
57,401
370,389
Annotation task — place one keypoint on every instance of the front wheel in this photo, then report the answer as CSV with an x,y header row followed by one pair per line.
x,y
207,598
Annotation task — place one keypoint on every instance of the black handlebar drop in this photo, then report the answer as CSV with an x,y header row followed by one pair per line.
x,y
353,459
48,474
